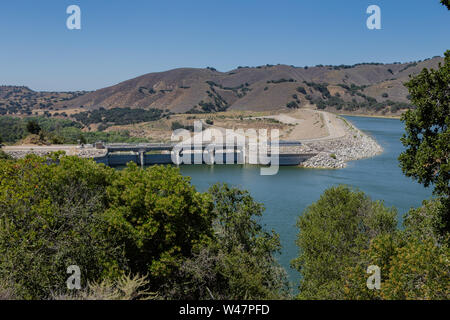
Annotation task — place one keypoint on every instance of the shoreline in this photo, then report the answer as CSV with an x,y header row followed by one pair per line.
x,y
345,142
369,116
335,153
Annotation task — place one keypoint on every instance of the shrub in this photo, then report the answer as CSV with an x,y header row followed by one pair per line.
x,y
333,232
62,211
33,127
160,218
292,105
52,217
126,287
239,262
4,155
301,90
419,270
118,116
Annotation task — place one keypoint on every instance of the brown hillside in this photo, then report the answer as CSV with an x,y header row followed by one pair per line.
x,y
245,88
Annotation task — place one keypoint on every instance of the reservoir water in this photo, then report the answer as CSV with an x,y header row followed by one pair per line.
x,y
288,193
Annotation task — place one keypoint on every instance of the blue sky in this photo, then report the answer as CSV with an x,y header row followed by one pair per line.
x,y
122,39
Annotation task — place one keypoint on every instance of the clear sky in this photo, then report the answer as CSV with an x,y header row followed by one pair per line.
x,y
121,39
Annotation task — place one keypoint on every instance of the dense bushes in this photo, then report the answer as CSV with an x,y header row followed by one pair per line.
x,y
69,211
51,217
413,261
333,231
4,156
13,129
238,262
321,87
177,125
301,90
58,131
292,105
160,218
369,104
325,100
345,232
118,116
33,127
282,80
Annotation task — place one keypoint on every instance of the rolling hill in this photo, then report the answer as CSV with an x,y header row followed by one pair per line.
x,y
370,87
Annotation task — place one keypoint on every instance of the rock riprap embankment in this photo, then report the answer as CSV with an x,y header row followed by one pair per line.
x,y
42,151
334,153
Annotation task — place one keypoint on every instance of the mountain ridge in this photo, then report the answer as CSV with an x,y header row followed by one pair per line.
x,y
374,86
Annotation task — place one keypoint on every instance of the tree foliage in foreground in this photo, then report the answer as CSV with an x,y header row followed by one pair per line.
x,y
4,155
345,232
51,217
62,211
428,129
427,136
239,261
333,232
414,261
160,218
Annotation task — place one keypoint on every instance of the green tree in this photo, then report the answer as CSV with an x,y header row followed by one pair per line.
x,y
427,136
413,261
59,211
426,222
380,253
333,232
301,90
427,129
4,155
33,127
419,270
82,139
51,217
446,3
239,261
160,218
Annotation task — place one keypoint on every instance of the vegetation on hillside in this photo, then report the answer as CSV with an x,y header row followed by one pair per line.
x,y
24,101
57,131
118,116
323,99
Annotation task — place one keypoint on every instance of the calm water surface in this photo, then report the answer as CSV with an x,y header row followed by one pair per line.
x,y
288,193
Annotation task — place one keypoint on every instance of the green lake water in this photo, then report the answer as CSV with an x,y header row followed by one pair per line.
x,y
286,194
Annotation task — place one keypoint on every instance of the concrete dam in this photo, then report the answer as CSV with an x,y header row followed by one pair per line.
x,y
167,153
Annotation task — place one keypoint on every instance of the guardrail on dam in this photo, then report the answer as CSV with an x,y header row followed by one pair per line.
x,y
163,153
